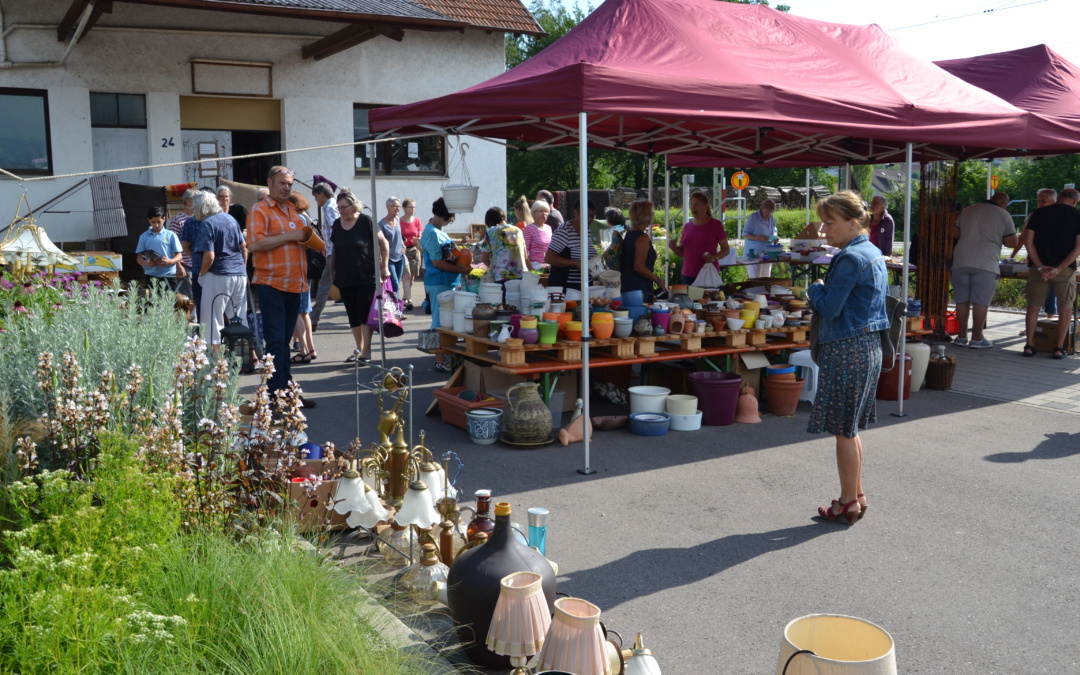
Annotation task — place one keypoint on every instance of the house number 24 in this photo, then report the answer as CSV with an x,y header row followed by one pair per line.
x,y
167,142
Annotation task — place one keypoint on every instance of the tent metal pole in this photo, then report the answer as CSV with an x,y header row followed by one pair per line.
x,y
904,297
667,221
584,224
989,179
372,155
808,196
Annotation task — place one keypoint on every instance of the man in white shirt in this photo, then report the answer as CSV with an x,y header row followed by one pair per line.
x,y
328,213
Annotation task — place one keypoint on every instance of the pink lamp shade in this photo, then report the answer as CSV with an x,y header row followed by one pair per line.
x,y
521,618
575,642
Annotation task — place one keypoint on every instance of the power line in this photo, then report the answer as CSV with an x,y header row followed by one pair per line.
x,y
966,16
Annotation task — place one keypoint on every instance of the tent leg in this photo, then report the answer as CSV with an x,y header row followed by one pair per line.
x,y
583,216
907,238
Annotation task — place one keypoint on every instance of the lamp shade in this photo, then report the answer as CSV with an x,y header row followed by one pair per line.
x,y
575,642
642,662
521,618
841,645
349,495
417,507
372,516
432,476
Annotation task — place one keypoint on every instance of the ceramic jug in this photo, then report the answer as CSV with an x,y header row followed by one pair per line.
x,y
527,419
506,333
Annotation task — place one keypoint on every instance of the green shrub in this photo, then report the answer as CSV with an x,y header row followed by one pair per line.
x,y
101,326
100,576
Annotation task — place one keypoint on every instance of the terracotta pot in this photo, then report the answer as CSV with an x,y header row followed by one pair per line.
x,y
747,407
719,323
732,313
603,331
783,395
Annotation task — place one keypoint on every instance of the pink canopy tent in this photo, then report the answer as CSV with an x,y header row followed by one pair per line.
x,y
743,84
1036,79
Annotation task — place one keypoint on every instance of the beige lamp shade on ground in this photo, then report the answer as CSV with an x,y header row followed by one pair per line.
x,y
575,642
841,645
521,618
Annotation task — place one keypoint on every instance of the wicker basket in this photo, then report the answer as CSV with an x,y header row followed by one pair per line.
x,y
939,373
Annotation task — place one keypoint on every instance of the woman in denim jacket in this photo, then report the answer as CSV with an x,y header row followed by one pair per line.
x,y
851,307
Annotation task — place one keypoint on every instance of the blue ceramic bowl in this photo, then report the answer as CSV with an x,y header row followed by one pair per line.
x,y
632,299
636,313
649,423
483,425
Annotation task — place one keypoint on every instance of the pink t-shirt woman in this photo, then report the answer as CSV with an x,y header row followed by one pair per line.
x,y
537,238
702,241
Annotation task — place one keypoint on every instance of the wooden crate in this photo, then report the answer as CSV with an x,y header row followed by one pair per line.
x,y
568,352
620,348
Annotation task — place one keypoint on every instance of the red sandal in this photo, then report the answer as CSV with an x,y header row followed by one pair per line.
x,y
862,509
827,513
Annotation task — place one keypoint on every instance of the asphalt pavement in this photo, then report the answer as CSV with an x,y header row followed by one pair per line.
x,y
708,542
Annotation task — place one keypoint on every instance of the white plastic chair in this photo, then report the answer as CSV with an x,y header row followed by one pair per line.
x,y
809,371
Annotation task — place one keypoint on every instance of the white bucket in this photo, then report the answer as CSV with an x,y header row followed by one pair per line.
x,y
464,300
682,404
491,292
648,399
538,295
513,300
459,320
446,300
514,285
596,291
528,282
686,422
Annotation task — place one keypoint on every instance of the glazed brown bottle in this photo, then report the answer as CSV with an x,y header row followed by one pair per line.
x,y
482,521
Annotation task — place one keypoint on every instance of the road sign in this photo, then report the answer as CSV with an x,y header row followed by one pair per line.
x,y
994,181
739,180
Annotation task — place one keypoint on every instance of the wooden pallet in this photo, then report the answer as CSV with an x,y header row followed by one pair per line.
x,y
620,348
790,333
729,338
569,352
914,323
646,346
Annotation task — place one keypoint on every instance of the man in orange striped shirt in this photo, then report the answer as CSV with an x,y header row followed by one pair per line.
x,y
275,231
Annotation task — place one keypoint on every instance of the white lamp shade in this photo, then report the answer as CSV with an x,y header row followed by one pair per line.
x,y
349,496
842,645
434,481
642,664
521,619
417,507
575,642
371,517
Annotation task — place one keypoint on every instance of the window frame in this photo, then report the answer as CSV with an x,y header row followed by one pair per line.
x,y
43,94
385,153
116,97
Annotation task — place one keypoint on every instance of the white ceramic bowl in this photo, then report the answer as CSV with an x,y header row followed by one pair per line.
x,y
681,404
735,324
685,422
648,399
623,327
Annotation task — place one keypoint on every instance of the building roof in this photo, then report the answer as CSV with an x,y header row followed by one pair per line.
x,y
506,15
369,9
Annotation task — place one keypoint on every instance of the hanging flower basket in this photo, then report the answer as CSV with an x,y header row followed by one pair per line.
x,y
461,197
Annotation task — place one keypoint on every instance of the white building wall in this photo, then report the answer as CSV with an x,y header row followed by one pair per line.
x,y
145,50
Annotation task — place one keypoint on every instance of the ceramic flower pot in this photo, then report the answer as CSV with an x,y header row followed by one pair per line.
x,y
549,332
782,395
603,330
484,425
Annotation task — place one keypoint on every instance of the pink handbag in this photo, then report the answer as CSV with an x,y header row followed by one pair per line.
x,y
392,309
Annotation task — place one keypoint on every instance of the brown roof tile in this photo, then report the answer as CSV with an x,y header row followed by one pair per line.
x,y
507,15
